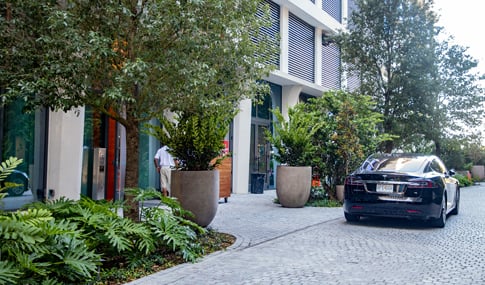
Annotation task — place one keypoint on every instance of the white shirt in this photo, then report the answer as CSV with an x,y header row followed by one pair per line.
x,y
164,157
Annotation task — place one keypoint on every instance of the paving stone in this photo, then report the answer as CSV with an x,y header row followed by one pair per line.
x,y
310,245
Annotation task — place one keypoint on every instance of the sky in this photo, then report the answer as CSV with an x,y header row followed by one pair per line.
x,y
464,20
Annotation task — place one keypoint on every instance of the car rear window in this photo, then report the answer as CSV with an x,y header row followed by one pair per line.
x,y
401,164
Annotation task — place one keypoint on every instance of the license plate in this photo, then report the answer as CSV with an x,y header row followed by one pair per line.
x,y
384,188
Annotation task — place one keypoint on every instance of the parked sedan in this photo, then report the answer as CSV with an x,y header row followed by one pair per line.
x,y
410,186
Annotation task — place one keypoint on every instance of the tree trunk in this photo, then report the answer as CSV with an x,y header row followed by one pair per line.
x,y
388,145
437,148
131,179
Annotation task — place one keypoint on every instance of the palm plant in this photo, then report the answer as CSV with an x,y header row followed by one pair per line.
x,y
292,138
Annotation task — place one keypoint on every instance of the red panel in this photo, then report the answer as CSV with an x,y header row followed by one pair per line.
x,y
111,158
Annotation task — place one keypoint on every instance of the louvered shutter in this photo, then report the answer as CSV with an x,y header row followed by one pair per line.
x,y
301,50
353,80
333,8
331,66
273,31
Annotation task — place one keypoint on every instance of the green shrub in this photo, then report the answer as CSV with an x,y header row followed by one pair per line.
x,y
72,242
463,180
319,197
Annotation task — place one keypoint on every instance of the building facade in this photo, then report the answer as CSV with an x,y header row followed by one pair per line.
x,y
78,152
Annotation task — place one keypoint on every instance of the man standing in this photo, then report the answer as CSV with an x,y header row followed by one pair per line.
x,y
163,163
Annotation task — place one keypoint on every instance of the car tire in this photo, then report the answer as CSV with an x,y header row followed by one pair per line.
x,y
441,221
351,218
456,210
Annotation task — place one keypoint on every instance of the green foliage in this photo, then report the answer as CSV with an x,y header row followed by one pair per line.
x,y
36,246
133,60
349,134
397,69
104,55
423,87
66,242
332,133
462,153
195,138
463,180
6,168
293,138
168,224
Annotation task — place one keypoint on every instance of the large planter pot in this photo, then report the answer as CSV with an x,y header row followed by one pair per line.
x,y
340,192
197,192
293,185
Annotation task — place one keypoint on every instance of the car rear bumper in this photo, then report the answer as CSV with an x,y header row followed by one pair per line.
x,y
393,209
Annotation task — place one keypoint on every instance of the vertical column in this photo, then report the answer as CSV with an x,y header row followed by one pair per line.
x,y
345,14
318,56
318,3
289,98
284,23
241,150
65,150
344,74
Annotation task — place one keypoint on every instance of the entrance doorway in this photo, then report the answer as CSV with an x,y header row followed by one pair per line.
x,y
261,162
260,158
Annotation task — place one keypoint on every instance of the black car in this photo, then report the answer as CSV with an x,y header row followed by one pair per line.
x,y
410,186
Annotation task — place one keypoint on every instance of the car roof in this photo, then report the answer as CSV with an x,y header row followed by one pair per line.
x,y
389,155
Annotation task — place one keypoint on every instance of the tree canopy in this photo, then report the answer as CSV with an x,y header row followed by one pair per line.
x,y
131,60
423,86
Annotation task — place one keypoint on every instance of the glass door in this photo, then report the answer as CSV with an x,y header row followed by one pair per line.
x,y
260,170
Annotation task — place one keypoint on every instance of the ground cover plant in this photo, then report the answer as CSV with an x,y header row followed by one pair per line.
x,y
86,241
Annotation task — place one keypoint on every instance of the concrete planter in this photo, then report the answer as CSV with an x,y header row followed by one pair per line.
x,y
340,192
197,192
293,185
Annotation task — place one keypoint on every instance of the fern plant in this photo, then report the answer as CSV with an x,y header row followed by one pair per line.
x,y
65,241
168,223
6,168
102,228
36,247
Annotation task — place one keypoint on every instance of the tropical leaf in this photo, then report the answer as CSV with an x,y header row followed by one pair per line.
x,y
9,273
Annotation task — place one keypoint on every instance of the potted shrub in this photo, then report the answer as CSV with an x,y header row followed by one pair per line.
x,y
292,141
195,138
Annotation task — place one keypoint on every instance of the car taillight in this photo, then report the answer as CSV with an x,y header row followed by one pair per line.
x,y
353,181
421,184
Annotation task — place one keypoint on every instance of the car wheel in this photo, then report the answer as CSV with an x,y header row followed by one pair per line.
x,y
457,202
441,221
351,218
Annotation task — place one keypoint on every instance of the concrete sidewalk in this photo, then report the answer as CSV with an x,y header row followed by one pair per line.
x,y
253,219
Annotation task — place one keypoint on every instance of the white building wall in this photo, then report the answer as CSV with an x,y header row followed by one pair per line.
x,y
241,149
65,149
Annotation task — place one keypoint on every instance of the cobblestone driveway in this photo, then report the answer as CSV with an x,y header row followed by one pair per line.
x,y
324,249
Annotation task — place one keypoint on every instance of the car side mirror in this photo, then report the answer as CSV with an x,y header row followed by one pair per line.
x,y
451,172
